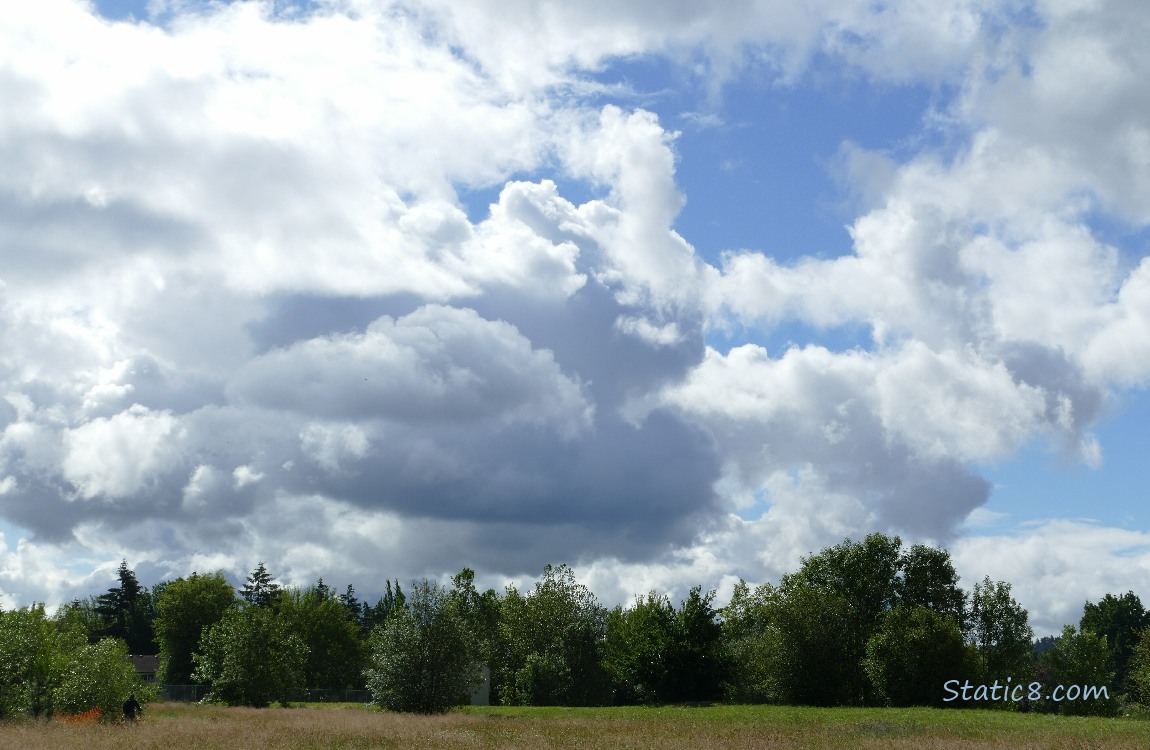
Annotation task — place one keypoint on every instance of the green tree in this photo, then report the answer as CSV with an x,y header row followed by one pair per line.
x,y
1001,631
928,579
81,614
373,616
863,576
697,662
100,675
1080,659
336,655
553,643
809,645
34,654
260,590
127,612
914,652
250,658
1138,669
751,642
480,613
423,659
638,647
184,608
1121,619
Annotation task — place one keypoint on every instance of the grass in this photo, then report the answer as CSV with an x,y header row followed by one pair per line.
x,y
351,727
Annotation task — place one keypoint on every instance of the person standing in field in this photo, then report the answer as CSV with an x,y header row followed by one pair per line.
x,y
132,707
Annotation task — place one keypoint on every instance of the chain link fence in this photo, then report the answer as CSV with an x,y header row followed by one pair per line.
x,y
196,693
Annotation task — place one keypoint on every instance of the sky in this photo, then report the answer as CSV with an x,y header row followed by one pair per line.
x,y
675,293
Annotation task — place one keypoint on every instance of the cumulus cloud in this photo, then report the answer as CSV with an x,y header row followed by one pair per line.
x,y
248,305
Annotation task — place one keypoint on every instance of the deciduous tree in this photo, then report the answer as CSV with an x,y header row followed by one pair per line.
x,y
251,658
423,657
185,607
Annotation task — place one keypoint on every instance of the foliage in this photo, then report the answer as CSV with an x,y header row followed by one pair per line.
x,y
480,613
373,616
1138,672
928,579
553,642
336,655
251,658
423,657
914,652
751,643
1080,659
1000,628
697,662
81,614
100,675
260,590
638,649
1120,619
184,608
127,612
808,646
34,655
860,580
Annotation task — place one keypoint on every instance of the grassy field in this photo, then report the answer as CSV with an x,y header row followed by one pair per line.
x,y
194,727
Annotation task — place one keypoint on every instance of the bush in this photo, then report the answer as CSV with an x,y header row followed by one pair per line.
x,y
422,657
251,659
100,676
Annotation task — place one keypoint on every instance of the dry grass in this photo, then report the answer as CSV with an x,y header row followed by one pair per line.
x,y
193,727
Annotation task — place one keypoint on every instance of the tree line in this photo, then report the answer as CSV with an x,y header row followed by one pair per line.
x,y
858,624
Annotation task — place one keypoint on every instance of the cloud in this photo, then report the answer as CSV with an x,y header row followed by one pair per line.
x,y
437,364
248,308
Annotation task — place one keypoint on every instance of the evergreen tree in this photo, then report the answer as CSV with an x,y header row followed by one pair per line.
x,y
261,590
127,612
352,605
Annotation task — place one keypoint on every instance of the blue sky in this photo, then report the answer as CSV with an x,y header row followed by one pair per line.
x,y
674,294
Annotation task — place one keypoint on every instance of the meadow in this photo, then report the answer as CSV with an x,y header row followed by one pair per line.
x,y
350,727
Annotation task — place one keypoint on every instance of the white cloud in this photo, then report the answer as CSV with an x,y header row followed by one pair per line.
x,y
438,364
116,457
240,283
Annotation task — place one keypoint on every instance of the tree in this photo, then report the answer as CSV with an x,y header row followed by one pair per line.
x,y
423,657
1121,619
480,613
100,675
1138,669
809,646
928,579
184,608
260,590
1079,660
34,654
750,642
698,666
1000,630
81,614
336,655
251,658
127,612
553,643
352,605
374,616
863,576
914,652
638,649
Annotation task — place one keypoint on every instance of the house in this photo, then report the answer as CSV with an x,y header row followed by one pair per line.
x,y
146,665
